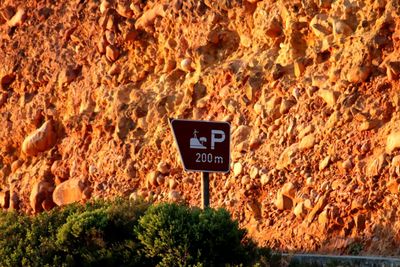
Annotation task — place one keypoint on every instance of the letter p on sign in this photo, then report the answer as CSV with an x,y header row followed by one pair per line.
x,y
217,136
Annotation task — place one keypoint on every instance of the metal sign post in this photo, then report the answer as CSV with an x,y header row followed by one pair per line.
x,y
205,190
204,146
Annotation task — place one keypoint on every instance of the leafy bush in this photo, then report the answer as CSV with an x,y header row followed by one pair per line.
x,y
103,236
97,234
29,241
12,235
125,233
176,235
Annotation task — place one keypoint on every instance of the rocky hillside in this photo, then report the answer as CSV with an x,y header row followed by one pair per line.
x,y
311,89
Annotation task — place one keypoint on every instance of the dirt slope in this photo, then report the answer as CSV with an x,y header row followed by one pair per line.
x,y
311,89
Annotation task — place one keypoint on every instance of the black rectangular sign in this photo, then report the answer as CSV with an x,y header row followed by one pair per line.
x,y
203,145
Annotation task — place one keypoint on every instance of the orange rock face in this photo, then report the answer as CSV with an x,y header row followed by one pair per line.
x,y
310,88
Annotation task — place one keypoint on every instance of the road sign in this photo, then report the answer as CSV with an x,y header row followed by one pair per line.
x,y
203,145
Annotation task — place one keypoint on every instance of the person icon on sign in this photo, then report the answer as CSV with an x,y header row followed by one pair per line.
x,y
197,143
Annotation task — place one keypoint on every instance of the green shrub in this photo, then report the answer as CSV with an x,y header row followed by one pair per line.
x,y
165,232
103,236
97,234
355,248
125,233
29,241
12,234
176,235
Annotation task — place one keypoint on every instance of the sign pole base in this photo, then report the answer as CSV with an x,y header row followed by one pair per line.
x,y
205,190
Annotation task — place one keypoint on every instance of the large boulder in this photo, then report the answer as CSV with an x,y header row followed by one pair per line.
x,y
285,159
5,199
40,140
285,196
307,142
69,192
392,142
41,191
241,137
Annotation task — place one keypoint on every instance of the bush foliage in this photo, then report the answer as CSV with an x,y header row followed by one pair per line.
x,y
97,234
177,235
124,233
